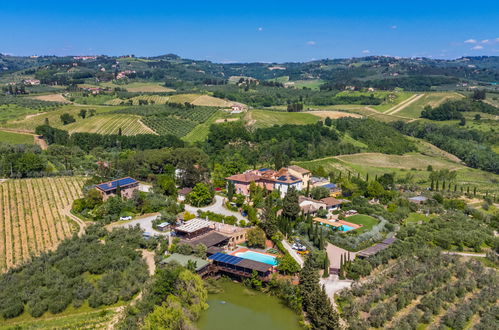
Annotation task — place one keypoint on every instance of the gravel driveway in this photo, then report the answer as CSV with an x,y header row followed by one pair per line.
x,y
145,223
217,207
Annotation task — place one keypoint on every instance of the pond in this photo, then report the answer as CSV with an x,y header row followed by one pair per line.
x,y
240,308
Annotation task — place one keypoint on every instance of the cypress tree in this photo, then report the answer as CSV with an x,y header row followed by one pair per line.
x,y
367,177
474,191
326,266
432,185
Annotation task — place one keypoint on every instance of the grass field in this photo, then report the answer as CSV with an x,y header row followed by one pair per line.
x,y
32,219
152,99
265,118
413,110
51,98
83,317
366,221
16,138
418,217
195,99
110,124
200,132
138,87
13,112
312,84
34,119
393,98
413,164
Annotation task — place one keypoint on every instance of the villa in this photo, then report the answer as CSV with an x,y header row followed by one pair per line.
x,y
281,180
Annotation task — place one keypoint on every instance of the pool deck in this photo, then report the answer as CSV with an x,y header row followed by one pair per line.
x,y
337,223
241,250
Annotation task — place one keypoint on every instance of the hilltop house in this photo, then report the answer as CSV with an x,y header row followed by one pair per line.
x,y
281,180
126,186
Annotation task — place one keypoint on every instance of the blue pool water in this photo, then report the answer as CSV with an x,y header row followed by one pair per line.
x,y
255,256
345,228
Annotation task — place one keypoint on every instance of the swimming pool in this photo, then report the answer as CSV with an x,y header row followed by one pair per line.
x,y
256,256
345,228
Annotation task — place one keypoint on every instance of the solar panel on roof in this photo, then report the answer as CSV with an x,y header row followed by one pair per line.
x,y
282,178
114,184
226,258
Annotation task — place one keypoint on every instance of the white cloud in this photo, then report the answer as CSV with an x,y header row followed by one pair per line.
x,y
485,41
366,51
260,29
477,47
311,43
393,27
470,41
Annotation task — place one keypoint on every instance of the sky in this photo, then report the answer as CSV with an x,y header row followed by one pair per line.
x,y
251,31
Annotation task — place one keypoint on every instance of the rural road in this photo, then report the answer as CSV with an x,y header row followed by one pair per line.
x,y
217,207
293,253
67,211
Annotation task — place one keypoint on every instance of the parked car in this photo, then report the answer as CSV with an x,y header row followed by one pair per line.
x,y
125,218
298,247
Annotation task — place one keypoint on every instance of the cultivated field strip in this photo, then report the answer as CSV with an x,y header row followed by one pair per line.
x,y
32,217
110,124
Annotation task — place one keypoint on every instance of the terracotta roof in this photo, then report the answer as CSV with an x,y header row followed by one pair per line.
x,y
330,201
244,177
298,169
208,240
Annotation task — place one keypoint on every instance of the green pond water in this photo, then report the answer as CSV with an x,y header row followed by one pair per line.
x,y
240,308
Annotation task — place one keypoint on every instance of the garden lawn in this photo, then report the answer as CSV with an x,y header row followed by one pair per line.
x,y
414,218
366,221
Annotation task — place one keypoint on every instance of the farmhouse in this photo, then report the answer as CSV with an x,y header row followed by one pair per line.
x,y
215,236
125,187
281,180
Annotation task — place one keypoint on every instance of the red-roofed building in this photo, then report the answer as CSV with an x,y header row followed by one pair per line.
x,y
281,180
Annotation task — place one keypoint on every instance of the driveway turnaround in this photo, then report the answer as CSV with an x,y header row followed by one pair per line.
x,y
144,222
217,207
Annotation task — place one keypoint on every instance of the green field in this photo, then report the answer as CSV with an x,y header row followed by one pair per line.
x,y
414,217
200,132
266,118
312,84
12,112
392,101
83,317
16,138
140,87
38,118
414,109
366,221
410,165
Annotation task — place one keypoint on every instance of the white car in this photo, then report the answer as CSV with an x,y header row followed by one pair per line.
x,y
125,218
